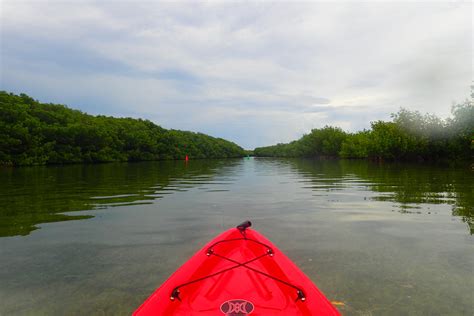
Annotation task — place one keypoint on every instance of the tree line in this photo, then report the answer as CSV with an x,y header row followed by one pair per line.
x,y
34,133
410,136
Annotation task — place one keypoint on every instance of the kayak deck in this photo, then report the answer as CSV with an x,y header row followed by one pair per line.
x,y
239,272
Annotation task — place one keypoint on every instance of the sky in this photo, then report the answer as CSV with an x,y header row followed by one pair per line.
x,y
253,72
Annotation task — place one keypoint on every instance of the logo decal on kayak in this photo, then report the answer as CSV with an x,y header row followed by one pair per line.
x,y
237,307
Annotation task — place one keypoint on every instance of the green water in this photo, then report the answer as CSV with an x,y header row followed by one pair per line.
x,y
98,239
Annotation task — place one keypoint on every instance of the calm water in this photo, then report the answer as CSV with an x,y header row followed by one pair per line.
x,y
380,239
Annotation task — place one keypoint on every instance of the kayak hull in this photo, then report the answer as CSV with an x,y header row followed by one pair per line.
x,y
239,272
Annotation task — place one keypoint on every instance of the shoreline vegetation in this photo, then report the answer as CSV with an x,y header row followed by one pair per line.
x,y
34,133
410,136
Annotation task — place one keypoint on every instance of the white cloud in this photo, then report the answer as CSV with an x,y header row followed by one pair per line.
x,y
273,69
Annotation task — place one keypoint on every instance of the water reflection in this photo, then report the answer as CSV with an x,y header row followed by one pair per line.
x,y
351,226
30,196
409,185
34,195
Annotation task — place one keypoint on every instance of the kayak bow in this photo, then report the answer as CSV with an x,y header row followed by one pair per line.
x,y
239,272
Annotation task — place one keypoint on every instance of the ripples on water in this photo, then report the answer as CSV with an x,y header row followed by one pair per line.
x,y
35,195
381,239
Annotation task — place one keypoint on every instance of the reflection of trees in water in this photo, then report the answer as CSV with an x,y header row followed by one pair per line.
x,y
34,195
407,184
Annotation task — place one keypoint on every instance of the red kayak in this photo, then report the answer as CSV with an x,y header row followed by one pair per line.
x,y
239,272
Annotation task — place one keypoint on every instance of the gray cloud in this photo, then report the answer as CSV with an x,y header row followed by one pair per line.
x,y
237,70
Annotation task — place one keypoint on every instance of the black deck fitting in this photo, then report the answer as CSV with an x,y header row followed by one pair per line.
x,y
244,225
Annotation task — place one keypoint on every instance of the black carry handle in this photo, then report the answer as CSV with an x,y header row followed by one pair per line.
x,y
244,225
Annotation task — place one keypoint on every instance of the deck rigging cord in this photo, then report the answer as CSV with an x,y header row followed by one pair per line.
x,y
210,252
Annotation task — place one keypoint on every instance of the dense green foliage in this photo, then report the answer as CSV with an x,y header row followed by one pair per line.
x,y
37,133
326,142
410,136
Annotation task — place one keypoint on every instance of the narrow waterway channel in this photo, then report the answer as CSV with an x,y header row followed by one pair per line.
x,y
380,239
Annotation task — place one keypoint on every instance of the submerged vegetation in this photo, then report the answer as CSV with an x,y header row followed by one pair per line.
x,y
410,136
34,133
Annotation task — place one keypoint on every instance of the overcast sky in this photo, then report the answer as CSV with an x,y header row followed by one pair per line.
x,y
256,73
